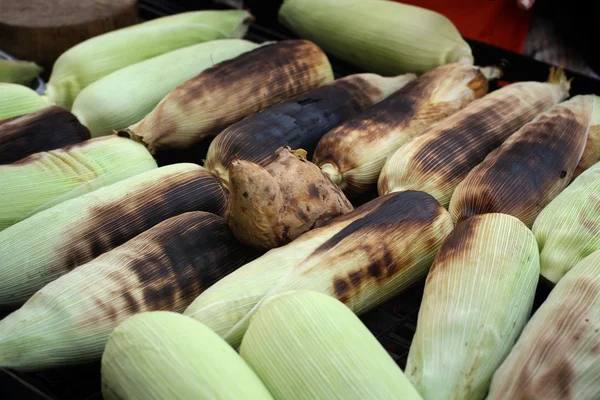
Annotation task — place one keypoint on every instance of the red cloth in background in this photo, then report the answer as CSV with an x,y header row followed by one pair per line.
x,y
498,22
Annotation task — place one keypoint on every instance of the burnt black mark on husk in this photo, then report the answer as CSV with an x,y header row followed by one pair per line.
x,y
48,129
313,191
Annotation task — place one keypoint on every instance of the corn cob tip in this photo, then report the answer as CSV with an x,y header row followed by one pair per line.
x,y
332,172
492,72
129,134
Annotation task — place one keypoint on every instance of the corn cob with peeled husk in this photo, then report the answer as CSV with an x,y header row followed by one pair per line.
x,y
298,123
531,168
47,129
353,153
125,96
556,356
85,63
385,37
17,100
164,268
591,153
438,160
224,94
307,345
45,179
477,299
271,206
21,72
568,229
51,243
167,356
362,258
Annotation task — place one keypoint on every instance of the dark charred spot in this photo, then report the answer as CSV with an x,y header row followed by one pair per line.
x,y
313,191
563,173
341,287
301,214
132,305
355,278
374,270
457,242
307,100
245,194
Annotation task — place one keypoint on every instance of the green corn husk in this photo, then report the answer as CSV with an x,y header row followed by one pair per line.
x,y
384,37
164,268
45,179
166,356
568,229
307,345
21,72
556,356
477,299
94,58
362,258
127,95
53,242
16,100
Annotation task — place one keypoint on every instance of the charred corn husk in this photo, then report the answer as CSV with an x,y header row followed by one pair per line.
x,y
568,229
531,168
362,258
556,356
222,95
298,123
47,129
307,345
16,100
94,58
438,160
353,153
477,299
45,179
51,243
68,321
166,356
591,153
380,36
21,72
124,97
271,206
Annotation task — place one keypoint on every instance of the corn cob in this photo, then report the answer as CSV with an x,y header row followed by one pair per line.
x,y
224,94
477,299
353,153
51,243
556,356
21,72
380,36
94,58
362,258
45,179
568,229
16,100
47,129
531,168
269,207
298,123
591,153
164,268
124,97
307,345
164,355
438,160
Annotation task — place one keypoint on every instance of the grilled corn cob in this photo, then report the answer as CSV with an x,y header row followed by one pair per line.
x,y
269,207
94,58
16,100
164,268
556,356
307,345
167,356
47,129
381,36
591,153
124,97
51,243
353,153
478,297
362,258
21,72
298,123
568,229
224,94
42,180
531,168
438,160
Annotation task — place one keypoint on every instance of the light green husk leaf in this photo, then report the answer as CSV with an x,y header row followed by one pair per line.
x,y
21,72
16,100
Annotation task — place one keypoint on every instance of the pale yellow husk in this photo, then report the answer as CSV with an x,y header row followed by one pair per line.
x,y
16,100
21,72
